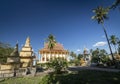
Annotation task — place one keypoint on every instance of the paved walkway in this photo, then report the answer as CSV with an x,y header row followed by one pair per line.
x,y
79,68
43,73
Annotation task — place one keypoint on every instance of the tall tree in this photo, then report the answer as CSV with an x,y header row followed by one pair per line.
x,y
73,55
115,4
99,55
80,56
51,41
118,47
100,16
113,40
95,55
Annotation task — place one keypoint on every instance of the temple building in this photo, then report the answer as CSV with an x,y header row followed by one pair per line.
x,y
57,51
26,54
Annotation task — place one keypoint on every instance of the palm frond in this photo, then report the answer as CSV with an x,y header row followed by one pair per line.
x,y
100,14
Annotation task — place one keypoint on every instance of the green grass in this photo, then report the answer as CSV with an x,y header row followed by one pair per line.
x,y
23,80
82,77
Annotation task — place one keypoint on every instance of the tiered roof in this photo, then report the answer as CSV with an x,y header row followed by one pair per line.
x,y
57,47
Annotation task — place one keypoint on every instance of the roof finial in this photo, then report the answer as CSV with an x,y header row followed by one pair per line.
x,y
15,51
27,43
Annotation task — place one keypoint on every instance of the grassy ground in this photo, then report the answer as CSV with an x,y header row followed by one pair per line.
x,y
82,77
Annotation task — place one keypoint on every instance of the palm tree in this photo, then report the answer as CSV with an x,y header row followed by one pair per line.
x,y
118,47
115,4
73,55
100,16
51,41
113,40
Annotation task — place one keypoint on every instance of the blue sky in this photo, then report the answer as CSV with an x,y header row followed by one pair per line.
x,y
68,20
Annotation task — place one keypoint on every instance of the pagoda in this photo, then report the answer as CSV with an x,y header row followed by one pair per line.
x,y
86,60
26,54
57,51
14,59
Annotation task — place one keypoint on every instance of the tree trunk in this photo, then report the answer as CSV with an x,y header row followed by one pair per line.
x,y
115,49
108,41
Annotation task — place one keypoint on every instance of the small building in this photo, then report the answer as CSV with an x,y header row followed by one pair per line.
x,y
13,64
57,51
26,55
86,60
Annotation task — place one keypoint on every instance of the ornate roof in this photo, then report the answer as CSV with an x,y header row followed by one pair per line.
x,y
57,47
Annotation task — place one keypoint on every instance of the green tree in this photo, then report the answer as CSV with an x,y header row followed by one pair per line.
x,y
76,58
5,50
113,40
73,55
100,55
115,4
58,64
51,41
80,56
118,47
95,54
100,16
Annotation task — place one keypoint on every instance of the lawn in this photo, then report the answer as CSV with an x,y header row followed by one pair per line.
x,y
81,77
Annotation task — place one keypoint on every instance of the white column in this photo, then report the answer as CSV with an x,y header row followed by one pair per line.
x,y
49,56
53,55
62,54
57,54
45,56
41,57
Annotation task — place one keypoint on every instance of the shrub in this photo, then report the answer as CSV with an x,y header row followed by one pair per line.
x,y
58,64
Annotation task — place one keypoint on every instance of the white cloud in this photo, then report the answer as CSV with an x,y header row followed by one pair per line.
x,y
100,44
78,50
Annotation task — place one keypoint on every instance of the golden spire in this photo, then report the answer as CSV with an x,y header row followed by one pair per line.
x,y
85,50
27,43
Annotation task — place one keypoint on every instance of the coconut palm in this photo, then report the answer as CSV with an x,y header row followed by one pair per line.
x,y
72,54
118,47
115,4
51,41
113,40
100,16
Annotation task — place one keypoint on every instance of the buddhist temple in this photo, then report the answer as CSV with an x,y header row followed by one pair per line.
x,y
26,54
57,51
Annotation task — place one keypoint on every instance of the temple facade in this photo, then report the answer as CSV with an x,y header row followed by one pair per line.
x,y
57,51
26,54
